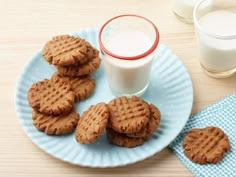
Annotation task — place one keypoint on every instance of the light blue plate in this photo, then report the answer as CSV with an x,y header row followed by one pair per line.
x,y
170,89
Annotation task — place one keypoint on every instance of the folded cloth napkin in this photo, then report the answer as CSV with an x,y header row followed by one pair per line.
x,y
221,114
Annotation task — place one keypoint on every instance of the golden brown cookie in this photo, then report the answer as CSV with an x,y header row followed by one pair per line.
x,y
82,86
91,51
205,145
92,123
51,97
64,50
128,115
154,120
80,70
55,125
123,140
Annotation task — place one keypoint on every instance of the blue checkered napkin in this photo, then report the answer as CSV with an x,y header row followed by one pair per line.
x,y
221,114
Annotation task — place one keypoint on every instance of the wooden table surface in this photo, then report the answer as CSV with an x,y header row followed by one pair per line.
x,y
26,25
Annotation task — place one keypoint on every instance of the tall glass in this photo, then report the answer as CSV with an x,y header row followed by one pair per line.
x,y
215,25
128,43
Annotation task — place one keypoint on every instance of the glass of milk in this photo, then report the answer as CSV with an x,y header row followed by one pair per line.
x,y
215,25
183,9
128,43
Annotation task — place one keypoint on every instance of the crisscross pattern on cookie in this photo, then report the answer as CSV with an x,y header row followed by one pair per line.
x,y
128,115
51,97
206,145
154,120
92,123
82,86
65,50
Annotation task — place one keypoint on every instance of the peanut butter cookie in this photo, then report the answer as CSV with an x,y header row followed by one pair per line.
x,y
205,145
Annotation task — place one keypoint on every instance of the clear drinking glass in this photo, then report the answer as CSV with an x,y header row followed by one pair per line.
x,y
215,25
183,9
128,43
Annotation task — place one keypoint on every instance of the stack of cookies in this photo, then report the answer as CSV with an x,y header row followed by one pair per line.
x,y
53,99
72,56
75,59
52,102
129,122
132,121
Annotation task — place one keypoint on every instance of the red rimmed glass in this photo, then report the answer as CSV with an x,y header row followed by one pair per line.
x,y
128,43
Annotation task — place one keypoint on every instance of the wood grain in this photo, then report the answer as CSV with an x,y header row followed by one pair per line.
x,y
26,25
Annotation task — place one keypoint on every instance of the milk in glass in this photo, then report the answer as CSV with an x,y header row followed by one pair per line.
x,y
128,76
218,54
